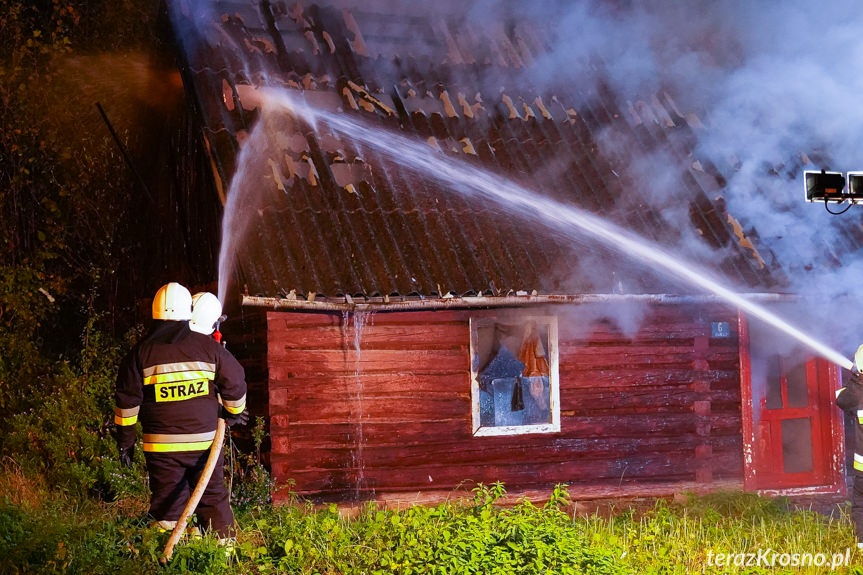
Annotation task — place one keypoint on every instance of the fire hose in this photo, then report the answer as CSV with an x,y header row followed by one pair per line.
x,y
204,480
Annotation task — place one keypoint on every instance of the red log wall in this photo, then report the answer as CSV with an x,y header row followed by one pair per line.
x,y
393,413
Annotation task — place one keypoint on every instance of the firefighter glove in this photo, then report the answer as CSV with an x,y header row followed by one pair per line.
x,y
241,418
126,454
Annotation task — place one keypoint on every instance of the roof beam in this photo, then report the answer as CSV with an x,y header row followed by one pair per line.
x,y
451,302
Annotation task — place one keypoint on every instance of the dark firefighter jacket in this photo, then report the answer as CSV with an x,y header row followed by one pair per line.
x,y
173,381
850,399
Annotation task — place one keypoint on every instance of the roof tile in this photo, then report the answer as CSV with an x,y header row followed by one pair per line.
x,y
341,219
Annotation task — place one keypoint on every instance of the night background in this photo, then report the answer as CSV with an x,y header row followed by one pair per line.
x,y
90,218
75,215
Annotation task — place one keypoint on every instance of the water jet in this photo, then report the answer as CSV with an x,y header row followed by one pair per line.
x,y
472,180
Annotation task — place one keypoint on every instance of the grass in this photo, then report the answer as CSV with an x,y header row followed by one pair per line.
x,y
689,537
50,532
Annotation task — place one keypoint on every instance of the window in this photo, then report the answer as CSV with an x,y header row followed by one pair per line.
x,y
514,380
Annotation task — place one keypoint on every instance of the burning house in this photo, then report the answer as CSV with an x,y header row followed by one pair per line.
x,y
439,274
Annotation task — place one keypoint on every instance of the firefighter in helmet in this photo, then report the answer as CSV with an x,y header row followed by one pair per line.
x,y
174,381
850,400
206,315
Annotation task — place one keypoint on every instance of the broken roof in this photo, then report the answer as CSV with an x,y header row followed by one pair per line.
x,y
337,219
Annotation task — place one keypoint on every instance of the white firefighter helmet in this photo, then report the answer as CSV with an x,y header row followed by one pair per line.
x,y
172,302
858,359
206,311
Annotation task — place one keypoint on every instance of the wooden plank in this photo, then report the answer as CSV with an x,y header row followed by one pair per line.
x,y
368,361
588,426
279,321
393,336
602,402
664,335
632,425
748,426
634,378
654,359
412,384
283,320
375,455
650,333
583,493
378,409
343,435
379,448
340,434
652,466
427,317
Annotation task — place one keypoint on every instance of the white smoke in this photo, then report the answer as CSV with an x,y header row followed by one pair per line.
x,y
774,84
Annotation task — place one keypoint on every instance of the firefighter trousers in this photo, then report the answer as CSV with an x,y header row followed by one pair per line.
x,y
173,477
857,505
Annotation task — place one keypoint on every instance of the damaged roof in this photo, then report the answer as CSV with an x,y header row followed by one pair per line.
x,y
338,220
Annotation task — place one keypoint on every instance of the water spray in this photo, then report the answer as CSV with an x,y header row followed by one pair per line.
x,y
470,179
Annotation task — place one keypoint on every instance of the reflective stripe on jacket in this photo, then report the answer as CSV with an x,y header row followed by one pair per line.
x,y
162,442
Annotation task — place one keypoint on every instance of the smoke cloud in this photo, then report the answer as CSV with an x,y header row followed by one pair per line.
x,y
776,86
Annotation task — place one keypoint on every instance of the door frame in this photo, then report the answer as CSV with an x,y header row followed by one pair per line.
x,y
836,467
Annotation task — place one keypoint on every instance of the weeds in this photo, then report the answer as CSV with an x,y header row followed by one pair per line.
x,y
685,538
252,484
69,534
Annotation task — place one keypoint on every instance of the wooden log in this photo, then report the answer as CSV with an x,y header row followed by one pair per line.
x,y
392,336
377,455
322,362
593,426
378,409
282,321
642,467
582,493
337,384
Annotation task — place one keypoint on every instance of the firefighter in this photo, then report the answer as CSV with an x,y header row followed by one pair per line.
x,y
173,381
850,400
206,315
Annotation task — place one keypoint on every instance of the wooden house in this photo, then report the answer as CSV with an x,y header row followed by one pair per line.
x,y
404,338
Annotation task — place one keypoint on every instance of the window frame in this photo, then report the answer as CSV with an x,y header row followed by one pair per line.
x,y
550,322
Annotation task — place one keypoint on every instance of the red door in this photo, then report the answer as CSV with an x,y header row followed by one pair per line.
x,y
791,428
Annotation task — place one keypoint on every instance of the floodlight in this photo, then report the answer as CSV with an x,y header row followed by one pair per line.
x,y
824,186
854,193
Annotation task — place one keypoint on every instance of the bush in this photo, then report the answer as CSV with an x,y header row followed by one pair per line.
x,y
449,538
66,438
64,536
251,484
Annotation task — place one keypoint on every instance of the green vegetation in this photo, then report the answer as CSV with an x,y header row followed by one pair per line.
x,y
46,532
65,203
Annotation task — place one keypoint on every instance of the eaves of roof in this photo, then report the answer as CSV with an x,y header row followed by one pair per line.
x,y
389,304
